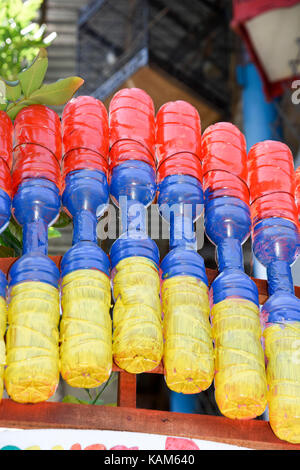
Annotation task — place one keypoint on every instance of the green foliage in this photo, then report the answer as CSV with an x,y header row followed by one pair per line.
x,y
20,36
29,88
93,400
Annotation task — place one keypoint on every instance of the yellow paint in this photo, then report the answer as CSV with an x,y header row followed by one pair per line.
x,y
188,348
86,329
283,376
32,372
240,379
57,448
33,448
137,337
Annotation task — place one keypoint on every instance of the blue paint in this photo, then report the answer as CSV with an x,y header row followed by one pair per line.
x,y
126,246
183,262
180,199
227,224
85,255
133,189
86,197
275,244
36,204
5,209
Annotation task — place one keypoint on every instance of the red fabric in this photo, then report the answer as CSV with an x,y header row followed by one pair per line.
x,y
244,10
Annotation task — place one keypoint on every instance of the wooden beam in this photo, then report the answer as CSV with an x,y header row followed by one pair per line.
x,y
253,434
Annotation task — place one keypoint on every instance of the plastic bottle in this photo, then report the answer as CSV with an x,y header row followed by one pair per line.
x,y
6,142
85,329
275,236
240,381
32,371
137,324
188,349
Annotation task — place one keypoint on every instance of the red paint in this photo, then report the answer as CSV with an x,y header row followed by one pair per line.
x,y
5,177
274,205
178,443
120,447
76,447
270,169
225,162
6,138
297,191
272,181
95,447
224,148
132,127
34,161
82,159
39,125
178,140
220,183
85,126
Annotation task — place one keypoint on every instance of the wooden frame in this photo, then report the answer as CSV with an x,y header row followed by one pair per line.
x,y
253,434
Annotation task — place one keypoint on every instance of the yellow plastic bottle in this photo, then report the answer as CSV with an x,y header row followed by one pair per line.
x,y
137,323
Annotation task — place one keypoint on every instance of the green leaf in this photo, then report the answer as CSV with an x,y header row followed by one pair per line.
x,y
57,93
72,399
13,90
63,220
13,109
6,252
53,233
32,78
3,106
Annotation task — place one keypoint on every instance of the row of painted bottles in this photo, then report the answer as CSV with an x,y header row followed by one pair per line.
x,y
133,156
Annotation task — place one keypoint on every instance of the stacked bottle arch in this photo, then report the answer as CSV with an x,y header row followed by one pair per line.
x,y
32,371
188,348
85,329
132,157
137,327
240,382
6,147
275,236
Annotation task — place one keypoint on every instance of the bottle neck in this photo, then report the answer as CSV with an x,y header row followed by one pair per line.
x,y
182,234
35,237
280,277
230,254
85,225
133,216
